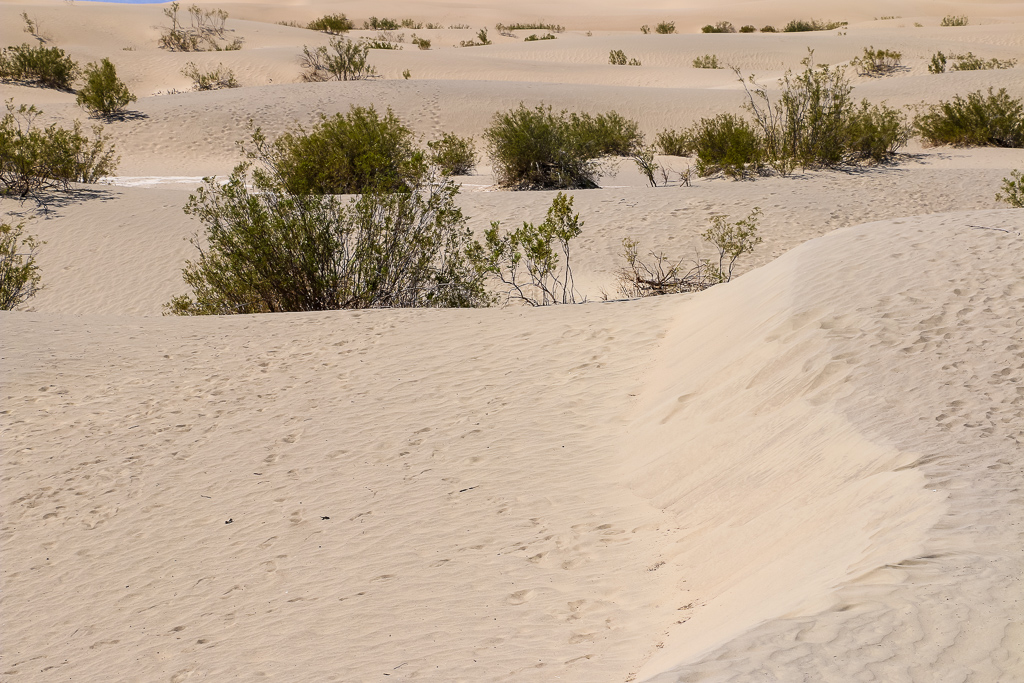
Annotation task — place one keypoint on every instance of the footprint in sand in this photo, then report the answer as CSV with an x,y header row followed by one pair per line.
x,y
520,597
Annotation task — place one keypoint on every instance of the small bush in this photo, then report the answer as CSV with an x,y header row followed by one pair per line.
x,y
954,20
385,40
533,36
104,94
732,240
452,154
938,63
220,77
536,26
412,23
19,274
331,23
527,262
719,27
205,30
1013,190
876,62
725,143
673,143
609,134
345,154
33,159
769,29
481,39
996,120
344,61
749,28
421,43
875,133
45,66
375,24
969,62
800,25
661,275
645,29
618,57
706,62
665,27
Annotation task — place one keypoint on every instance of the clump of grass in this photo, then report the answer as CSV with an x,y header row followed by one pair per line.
x,y
706,62
719,27
800,25
954,20
533,36
331,23
876,62
618,57
665,27
995,120
1013,190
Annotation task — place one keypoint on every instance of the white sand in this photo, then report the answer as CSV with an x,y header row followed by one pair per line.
x,y
813,472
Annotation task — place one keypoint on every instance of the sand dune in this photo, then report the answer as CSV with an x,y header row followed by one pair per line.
x,y
813,472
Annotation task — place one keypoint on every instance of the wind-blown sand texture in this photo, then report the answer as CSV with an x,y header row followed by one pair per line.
x,y
813,472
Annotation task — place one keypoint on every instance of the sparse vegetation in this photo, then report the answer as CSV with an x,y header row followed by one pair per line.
x,y
452,154
33,159
800,25
385,40
706,62
1013,190
967,62
876,62
344,61
48,67
995,120
375,24
19,273
719,27
732,240
533,36
954,20
645,29
665,27
204,32
535,26
481,39
749,28
331,23
219,77
104,94
421,43
618,58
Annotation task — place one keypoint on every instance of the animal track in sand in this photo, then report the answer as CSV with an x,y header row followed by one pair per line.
x,y
520,597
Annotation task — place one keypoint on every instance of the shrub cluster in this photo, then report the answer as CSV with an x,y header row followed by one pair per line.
x,y
665,27
19,274
800,25
995,120
538,148
954,20
45,66
535,26
618,58
386,40
533,36
104,94
967,62
375,24
769,29
673,143
421,43
205,30
34,159
331,23
220,77
344,61
719,27
876,62
706,62
452,155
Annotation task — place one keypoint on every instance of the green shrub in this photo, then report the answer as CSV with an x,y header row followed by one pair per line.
x,y
220,77
267,250
385,40
954,20
344,154
533,36
769,29
381,24
645,29
876,62
331,23
938,63
706,62
996,120
537,148
673,143
452,154
749,28
875,133
725,143
481,39
665,27
969,62
719,27
19,274
412,23
45,66
205,30
1013,190
526,261
33,159
732,240
618,57
800,25
536,26
421,43
344,61
104,94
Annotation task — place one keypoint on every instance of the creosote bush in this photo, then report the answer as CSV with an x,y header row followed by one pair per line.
x,y
719,27
331,23
673,143
954,20
45,66
33,159
343,154
749,28
769,29
104,94
535,26
219,77
1013,190
967,62
19,274
725,143
481,39
665,27
995,120
800,25
618,58
375,24
706,62
533,36
452,154
345,60
732,240
205,30
876,62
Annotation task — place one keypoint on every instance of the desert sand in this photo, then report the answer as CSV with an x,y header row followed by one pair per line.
x,y
813,472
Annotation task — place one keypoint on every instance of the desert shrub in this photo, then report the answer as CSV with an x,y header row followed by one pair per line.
x,y
800,25
732,240
725,143
656,274
421,43
875,132
331,23
385,40
645,29
267,250
533,36
1013,190
527,261
673,143
45,66
481,39
876,62
969,62
749,28
954,20
643,157
538,148
719,27
220,77
205,30
412,23
995,120
19,274
452,154
535,26
344,61
769,29
381,24
618,57
665,27
706,62
344,154
34,159
104,94
406,74
938,63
